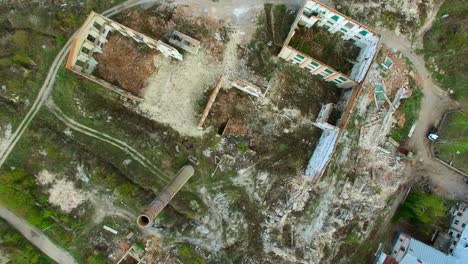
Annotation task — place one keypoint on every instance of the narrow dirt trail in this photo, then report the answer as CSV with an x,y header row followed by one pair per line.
x,y
49,81
37,238
427,25
434,104
137,156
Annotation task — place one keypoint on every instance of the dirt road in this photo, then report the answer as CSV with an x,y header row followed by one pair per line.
x,y
137,156
37,238
49,82
434,104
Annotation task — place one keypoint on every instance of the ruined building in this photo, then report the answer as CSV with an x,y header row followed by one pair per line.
x,y
90,39
339,50
351,46
326,146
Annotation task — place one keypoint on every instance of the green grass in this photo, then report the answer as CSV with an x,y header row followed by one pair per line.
x,y
425,212
447,44
278,22
410,108
452,145
20,193
187,255
17,249
34,34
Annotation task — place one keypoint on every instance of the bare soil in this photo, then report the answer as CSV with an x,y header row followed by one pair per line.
x,y
229,113
125,64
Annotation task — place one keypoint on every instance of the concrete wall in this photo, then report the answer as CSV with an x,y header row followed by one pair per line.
x,y
400,247
458,225
248,88
90,39
314,13
326,146
316,67
322,153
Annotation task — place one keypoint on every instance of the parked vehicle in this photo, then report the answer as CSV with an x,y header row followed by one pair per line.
x,y
432,134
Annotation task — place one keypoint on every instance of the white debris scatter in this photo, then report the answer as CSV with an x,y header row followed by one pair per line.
x,y
65,195
68,132
81,174
173,91
5,135
221,227
62,192
45,177
255,182
207,153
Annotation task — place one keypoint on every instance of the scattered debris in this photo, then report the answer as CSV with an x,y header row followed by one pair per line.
x,y
248,88
184,42
113,231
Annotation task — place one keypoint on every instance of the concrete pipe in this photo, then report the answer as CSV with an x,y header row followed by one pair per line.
x,y
157,205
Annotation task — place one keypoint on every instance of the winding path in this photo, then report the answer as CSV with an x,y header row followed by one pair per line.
x,y
35,236
49,82
434,104
137,156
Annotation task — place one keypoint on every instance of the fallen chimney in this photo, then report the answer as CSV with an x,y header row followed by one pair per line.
x,y
157,205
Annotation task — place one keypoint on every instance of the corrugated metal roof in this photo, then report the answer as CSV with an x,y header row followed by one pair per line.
x,y
461,251
419,252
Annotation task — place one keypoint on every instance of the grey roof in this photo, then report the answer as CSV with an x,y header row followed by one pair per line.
x,y
461,251
425,254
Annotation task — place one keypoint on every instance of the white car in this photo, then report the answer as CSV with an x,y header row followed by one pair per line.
x,y
432,135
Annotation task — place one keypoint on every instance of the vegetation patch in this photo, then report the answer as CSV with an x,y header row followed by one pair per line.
x,y
422,213
446,47
452,145
410,109
16,249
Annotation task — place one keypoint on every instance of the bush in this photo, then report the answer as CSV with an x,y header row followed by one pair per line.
x,y
22,39
425,211
410,108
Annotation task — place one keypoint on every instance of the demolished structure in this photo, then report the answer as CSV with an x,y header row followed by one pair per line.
x,y
157,205
324,150
91,38
248,88
305,52
314,23
184,42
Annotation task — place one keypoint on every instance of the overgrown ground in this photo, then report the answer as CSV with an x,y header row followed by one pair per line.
x,y
326,47
421,214
410,108
32,34
446,48
405,16
216,217
14,248
44,147
452,147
